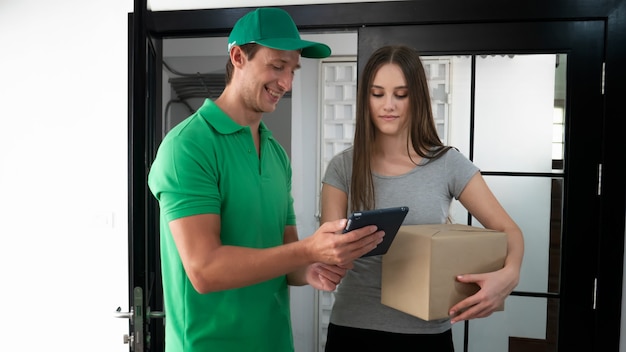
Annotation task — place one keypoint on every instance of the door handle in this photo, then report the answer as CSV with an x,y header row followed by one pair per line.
x,y
129,315
155,314
136,338
124,315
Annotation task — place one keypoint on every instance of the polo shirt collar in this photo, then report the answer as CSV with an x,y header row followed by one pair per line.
x,y
221,121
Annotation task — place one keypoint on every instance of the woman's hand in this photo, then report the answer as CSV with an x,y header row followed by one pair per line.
x,y
495,287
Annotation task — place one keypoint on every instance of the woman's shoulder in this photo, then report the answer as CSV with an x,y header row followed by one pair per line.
x,y
452,152
448,155
344,155
456,160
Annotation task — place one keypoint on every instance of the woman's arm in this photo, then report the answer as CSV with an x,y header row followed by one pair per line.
x,y
478,199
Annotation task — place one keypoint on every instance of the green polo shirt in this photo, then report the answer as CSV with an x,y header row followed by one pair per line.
x,y
208,164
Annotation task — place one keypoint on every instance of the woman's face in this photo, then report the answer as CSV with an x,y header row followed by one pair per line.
x,y
389,101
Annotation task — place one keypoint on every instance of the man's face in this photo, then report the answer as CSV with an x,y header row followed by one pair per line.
x,y
267,77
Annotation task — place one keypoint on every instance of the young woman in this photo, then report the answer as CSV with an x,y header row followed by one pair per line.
x,y
397,159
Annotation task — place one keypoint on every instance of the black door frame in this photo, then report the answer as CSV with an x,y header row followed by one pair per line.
x,y
144,135
340,17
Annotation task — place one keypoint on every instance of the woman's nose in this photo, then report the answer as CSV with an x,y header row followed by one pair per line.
x,y
389,104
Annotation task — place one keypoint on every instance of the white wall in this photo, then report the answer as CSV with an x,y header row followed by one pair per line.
x,y
63,173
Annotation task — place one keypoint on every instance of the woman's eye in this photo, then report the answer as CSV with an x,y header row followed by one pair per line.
x,y
401,93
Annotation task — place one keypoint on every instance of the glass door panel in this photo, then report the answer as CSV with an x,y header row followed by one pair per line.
x,y
528,201
514,107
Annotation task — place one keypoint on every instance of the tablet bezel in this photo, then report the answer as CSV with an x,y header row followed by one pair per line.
x,y
387,219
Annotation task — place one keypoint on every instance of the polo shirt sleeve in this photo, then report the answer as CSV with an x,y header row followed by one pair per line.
x,y
183,183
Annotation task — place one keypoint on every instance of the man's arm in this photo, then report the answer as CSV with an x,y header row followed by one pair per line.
x,y
320,276
212,266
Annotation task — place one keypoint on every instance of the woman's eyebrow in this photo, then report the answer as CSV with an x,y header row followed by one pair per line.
x,y
380,87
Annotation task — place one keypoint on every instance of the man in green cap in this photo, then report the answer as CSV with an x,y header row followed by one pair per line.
x,y
229,243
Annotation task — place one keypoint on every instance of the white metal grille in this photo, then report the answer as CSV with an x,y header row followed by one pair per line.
x,y
338,108
438,75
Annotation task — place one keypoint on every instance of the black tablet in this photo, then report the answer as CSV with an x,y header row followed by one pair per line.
x,y
387,219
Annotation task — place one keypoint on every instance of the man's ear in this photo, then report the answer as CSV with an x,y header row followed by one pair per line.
x,y
237,56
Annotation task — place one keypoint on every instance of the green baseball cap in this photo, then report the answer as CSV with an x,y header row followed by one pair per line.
x,y
274,28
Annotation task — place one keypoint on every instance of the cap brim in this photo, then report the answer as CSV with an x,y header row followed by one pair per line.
x,y
308,49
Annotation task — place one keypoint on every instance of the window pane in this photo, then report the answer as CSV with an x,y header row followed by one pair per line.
x,y
535,205
514,108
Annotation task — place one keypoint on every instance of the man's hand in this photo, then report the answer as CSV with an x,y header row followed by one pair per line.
x,y
329,245
325,277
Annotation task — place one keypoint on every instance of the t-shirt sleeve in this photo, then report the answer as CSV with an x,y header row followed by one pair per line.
x,y
460,170
339,171
183,184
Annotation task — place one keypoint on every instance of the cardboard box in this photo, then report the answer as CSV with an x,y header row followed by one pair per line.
x,y
419,270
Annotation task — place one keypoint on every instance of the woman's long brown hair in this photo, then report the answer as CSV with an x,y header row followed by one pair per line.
x,y
422,136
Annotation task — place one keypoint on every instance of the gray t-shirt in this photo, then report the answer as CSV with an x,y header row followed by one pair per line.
x,y
428,191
